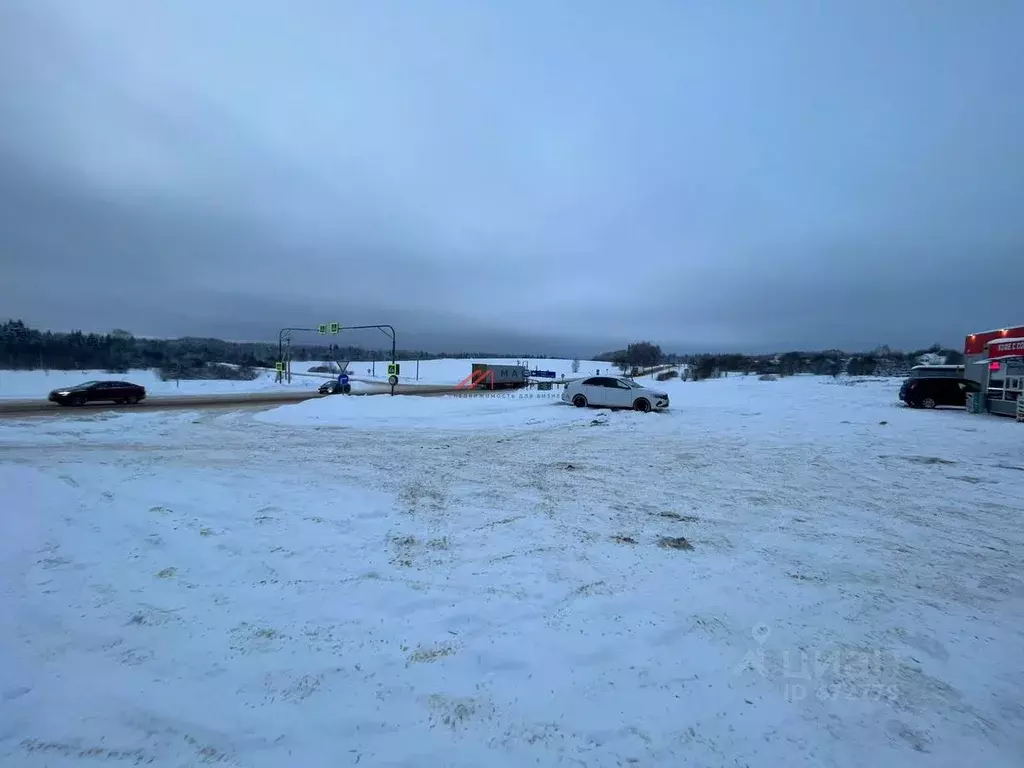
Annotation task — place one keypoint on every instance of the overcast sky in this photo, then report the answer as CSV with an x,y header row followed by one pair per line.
x,y
707,175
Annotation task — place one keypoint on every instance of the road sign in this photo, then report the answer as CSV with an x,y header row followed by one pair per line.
x,y
335,327
278,366
394,369
322,328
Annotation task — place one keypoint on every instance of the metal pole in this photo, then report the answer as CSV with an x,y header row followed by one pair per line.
x,y
280,356
392,353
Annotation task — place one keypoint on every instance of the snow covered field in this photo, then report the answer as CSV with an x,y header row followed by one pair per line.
x,y
789,573
36,384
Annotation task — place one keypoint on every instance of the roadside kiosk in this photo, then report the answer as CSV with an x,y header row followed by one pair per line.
x,y
1000,371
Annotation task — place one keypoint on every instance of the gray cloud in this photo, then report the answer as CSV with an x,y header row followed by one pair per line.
x,y
550,177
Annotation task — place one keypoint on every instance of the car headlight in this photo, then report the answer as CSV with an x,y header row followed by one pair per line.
x,y
63,392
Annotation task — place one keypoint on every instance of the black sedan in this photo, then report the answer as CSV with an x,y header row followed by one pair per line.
x,y
334,387
99,392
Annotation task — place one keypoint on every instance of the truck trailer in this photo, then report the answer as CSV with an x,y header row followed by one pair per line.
x,y
487,376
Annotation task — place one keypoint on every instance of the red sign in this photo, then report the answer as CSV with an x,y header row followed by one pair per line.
x,y
1000,348
975,343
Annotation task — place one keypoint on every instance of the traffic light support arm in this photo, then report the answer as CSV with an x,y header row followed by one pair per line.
x,y
387,330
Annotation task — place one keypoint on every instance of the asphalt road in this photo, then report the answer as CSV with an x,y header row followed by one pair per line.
x,y
14,408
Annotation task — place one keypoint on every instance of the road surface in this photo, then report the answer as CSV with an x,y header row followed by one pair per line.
x,y
14,408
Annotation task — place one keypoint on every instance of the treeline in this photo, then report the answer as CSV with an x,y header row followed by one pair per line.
x,y
24,348
879,362
882,361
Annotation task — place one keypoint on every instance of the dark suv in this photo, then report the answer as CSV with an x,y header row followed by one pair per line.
x,y
930,392
99,391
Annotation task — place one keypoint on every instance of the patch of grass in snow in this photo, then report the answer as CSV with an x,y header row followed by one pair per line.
x,y
206,753
804,577
161,510
403,546
674,542
680,518
71,751
624,539
246,638
206,532
593,588
454,712
166,573
923,459
425,655
151,616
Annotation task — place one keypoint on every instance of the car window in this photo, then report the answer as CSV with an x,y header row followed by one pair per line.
x,y
620,384
593,381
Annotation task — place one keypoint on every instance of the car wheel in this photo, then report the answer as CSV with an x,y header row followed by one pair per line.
x,y
347,389
642,404
579,401
77,401
132,400
928,402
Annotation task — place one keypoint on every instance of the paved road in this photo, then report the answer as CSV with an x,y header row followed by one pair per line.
x,y
14,408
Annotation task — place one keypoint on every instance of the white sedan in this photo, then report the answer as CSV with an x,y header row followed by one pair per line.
x,y
609,392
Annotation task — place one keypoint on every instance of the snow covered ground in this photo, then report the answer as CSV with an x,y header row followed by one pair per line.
x,y
794,573
36,384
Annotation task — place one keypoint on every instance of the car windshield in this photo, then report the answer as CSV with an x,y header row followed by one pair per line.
x,y
633,384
